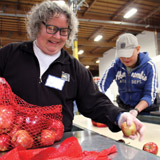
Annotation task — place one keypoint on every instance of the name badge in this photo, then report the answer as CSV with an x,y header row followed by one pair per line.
x,y
55,82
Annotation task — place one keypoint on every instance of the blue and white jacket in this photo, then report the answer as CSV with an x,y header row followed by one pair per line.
x,y
140,84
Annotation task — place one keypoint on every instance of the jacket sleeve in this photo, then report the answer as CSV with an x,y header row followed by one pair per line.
x,y
150,88
107,78
94,104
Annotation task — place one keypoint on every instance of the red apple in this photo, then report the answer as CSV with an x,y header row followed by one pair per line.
x,y
5,141
57,126
7,114
97,124
151,147
23,138
48,137
33,124
128,130
101,125
19,120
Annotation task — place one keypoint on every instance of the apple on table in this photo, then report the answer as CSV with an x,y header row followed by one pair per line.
x,y
48,137
151,147
97,124
23,138
5,141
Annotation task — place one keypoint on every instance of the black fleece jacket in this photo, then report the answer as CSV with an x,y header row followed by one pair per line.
x,y
20,67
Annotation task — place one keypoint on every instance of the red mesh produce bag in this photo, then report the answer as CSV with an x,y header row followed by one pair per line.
x,y
69,149
27,125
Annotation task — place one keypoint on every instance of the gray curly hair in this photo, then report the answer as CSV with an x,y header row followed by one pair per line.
x,y
46,10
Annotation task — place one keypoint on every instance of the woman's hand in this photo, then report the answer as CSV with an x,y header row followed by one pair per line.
x,y
129,119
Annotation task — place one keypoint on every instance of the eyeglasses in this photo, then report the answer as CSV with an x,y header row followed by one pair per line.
x,y
51,29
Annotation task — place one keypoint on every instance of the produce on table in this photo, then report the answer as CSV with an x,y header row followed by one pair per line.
x,y
56,126
25,124
30,132
47,137
151,147
34,124
97,124
101,125
7,115
27,129
23,138
128,130
69,149
5,141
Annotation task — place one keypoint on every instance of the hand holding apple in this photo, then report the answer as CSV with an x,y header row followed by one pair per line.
x,y
128,130
129,119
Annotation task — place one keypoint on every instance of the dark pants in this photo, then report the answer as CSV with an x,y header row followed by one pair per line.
x,y
153,107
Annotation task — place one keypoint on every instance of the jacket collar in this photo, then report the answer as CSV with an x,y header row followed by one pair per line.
x,y
27,47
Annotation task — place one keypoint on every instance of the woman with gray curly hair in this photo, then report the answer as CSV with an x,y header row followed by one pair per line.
x,y
42,73
45,12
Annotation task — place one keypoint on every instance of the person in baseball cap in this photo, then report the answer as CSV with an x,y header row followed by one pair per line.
x,y
127,49
125,45
136,77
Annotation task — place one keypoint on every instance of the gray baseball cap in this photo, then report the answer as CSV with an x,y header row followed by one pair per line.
x,y
125,45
